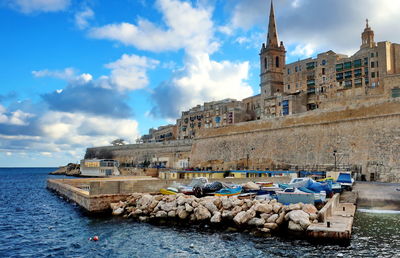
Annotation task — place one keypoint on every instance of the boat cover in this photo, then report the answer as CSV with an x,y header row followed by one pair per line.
x,y
344,178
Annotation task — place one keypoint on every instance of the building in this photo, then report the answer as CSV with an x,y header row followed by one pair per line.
x,y
212,114
161,134
330,80
99,167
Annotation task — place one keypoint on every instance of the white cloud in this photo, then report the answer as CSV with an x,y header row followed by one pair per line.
x,y
66,74
82,18
17,117
303,50
187,27
130,72
30,6
201,80
78,129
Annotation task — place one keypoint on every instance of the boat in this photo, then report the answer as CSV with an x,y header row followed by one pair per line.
x,y
167,192
290,196
265,184
345,180
229,191
318,196
249,195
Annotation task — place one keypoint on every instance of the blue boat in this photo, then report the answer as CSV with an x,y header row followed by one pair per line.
x,y
229,191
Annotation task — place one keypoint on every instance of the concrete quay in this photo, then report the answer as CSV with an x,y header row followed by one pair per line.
x,y
96,194
335,218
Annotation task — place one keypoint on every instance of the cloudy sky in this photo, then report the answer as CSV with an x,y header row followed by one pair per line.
x,y
82,73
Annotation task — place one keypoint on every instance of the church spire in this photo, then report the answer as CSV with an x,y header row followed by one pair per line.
x,y
272,38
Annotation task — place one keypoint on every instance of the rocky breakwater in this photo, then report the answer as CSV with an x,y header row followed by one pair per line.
x,y
69,170
261,215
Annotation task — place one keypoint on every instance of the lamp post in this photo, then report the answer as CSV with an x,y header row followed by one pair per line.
x,y
334,155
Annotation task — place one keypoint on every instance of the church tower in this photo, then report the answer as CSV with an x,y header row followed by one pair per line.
x,y
272,60
367,37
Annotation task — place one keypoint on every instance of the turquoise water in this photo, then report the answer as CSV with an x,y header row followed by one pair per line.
x,y
34,222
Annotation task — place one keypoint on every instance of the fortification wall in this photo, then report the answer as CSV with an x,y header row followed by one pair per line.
x,y
366,135
137,153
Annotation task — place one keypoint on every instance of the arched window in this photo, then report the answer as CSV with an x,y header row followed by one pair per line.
x,y
265,63
277,61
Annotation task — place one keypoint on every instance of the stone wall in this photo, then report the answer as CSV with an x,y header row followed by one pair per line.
x,y
364,135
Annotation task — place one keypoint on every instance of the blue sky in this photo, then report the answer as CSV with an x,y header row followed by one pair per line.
x,y
76,74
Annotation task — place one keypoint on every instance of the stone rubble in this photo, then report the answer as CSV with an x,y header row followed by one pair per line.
x,y
265,215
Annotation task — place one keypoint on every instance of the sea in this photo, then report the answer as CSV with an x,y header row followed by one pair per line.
x,y
35,222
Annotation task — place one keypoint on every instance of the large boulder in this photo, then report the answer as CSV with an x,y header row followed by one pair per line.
x,y
271,226
202,213
118,211
258,222
294,226
263,208
281,218
244,216
227,203
161,214
294,206
216,218
299,217
188,207
168,206
310,209
273,218
236,210
209,204
181,212
144,202
276,207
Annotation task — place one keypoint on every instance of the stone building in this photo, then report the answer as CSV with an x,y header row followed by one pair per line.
x,y
327,81
210,115
161,134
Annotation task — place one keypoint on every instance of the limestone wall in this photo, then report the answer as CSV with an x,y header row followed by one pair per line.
x,y
367,135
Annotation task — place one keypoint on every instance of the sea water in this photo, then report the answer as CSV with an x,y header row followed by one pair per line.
x,y
34,222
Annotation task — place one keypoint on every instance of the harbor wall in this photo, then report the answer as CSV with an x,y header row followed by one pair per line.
x,y
367,136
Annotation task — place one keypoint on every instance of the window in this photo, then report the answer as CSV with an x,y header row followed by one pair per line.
x,y
265,63
324,62
296,69
357,63
323,71
339,76
348,84
372,55
310,82
348,74
377,64
339,67
373,74
277,61
366,61
357,73
358,82
347,65
310,65
288,87
377,74
372,64
288,71
366,71
376,54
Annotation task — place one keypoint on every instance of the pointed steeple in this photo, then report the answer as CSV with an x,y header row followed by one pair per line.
x,y
272,38
367,37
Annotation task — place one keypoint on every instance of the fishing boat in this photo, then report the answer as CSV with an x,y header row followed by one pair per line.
x,y
167,192
289,196
229,191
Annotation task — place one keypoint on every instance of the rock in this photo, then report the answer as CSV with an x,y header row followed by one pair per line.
x,y
227,203
181,200
273,201
296,206
216,218
183,214
210,206
161,214
202,213
143,218
294,226
310,209
237,202
273,218
263,208
256,222
227,214
315,221
172,214
265,230
114,205
153,204
271,226
244,216
236,210
138,212
168,206
265,216
188,208
158,197
195,204
248,203
144,202
218,203
118,211
299,217
281,218
313,216
276,207
251,186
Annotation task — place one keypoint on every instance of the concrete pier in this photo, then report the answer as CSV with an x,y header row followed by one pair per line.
x,y
335,218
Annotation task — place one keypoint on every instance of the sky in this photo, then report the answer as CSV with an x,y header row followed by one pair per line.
x,y
76,74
